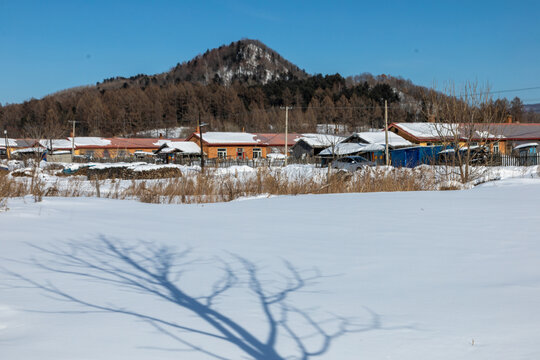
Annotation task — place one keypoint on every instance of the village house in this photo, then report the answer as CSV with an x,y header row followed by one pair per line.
x,y
8,146
370,145
111,148
230,145
310,145
276,142
172,150
500,138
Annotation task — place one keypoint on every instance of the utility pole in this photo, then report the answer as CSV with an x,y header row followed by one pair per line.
x,y
386,132
7,144
73,139
199,127
287,133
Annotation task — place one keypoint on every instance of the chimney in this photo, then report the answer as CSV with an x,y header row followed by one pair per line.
x,y
198,130
160,135
509,119
431,119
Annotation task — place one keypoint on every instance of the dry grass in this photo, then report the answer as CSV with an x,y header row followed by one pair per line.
x,y
212,187
204,188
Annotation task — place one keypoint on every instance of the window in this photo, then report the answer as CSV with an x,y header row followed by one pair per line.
x,y
257,153
240,153
122,153
89,153
496,148
222,153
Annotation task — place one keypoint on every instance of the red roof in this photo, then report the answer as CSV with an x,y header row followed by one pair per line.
x,y
137,143
278,139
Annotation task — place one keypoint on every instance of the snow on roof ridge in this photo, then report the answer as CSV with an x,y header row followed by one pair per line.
x,y
90,141
224,137
321,140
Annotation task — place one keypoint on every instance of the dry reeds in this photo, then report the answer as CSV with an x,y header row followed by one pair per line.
x,y
212,186
203,188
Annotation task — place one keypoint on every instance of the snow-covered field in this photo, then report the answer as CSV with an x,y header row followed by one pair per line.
x,y
416,275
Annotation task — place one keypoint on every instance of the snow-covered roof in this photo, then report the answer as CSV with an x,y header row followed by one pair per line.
x,y
215,137
321,140
430,130
462,149
56,143
160,142
61,152
351,148
378,137
90,141
143,153
29,150
186,147
525,145
484,134
10,143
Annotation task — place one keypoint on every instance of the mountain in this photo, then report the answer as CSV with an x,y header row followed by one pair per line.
x,y
240,86
532,107
246,61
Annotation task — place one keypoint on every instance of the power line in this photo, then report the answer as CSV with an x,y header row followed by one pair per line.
x,y
514,90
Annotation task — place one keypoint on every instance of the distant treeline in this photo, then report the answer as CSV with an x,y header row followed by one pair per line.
x,y
124,110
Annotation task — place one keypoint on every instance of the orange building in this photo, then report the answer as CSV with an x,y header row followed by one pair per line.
x,y
500,137
231,145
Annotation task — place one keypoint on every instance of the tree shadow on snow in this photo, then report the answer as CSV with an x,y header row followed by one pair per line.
x,y
156,271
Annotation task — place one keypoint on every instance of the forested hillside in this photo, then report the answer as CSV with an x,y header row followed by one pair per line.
x,y
239,86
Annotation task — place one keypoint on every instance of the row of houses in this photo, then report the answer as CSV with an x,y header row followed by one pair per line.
x,y
216,145
402,138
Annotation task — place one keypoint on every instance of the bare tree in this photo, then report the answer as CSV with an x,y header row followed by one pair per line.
x,y
156,271
464,122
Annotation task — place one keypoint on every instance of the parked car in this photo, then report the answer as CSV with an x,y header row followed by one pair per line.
x,y
351,163
477,155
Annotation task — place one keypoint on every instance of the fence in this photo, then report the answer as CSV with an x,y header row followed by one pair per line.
x,y
217,163
519,160
490,160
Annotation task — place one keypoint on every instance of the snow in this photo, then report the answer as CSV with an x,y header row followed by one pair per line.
x,y
28,150
525,145
378,137
90,141
429,130
56,143
423,273
320,140
464,148
215,137
186,147
10,143
275,156
351,148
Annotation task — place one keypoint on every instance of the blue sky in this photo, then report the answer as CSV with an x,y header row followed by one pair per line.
x,y
46,46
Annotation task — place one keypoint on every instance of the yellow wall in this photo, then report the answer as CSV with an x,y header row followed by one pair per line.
x,y
211,151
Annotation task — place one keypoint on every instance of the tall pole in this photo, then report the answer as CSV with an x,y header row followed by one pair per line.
x,y
386,132
7,144
73,139
200,140
286,133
